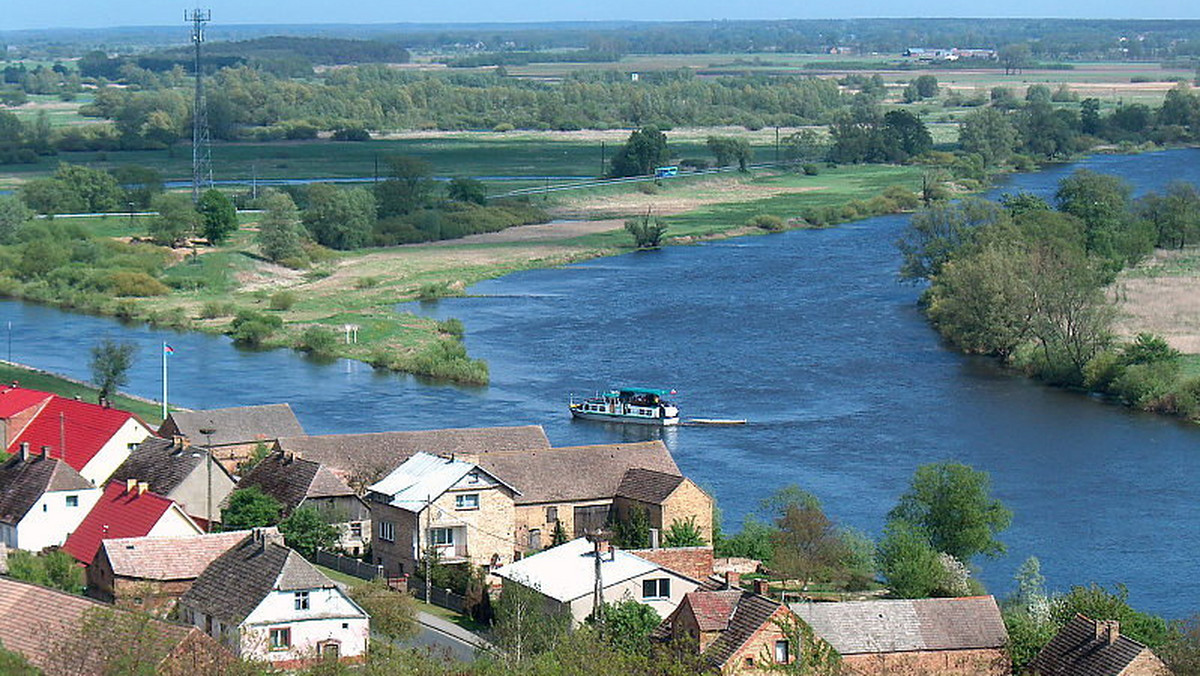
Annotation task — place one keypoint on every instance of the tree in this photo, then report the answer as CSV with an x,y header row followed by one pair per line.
x,y
467,190
340,219
927,86
647,231
627,626
306,531
408,188
1015,58
218,214
1098,603
753,541
250,508
393,613
559,536
728,150
935,235
98,189
111,361
910,566
952,504
806,545
904,135
177,219
634,531
13,215
811,654
280,236
645,149
524,628
982,303
51,196
684,534
140,183
987,132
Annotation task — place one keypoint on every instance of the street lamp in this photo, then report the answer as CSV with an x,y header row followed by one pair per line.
x,y
208,459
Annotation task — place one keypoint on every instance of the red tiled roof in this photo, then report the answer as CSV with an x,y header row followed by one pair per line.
x,y
118,514
13,400
84,428
713,610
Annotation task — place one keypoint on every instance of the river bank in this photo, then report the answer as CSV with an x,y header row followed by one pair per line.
x,y
26,376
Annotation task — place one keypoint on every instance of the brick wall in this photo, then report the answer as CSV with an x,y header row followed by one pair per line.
x,y
536,517
982,662
685,502
757,654
155,597
1146,664
694,562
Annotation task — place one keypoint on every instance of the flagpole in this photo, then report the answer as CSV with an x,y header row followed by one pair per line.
x,y
164,378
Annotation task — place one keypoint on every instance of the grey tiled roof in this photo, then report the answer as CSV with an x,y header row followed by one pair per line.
x,y
857,627
290,480
1076,651
370,457
243,424
237,581
23,482
575,473
647,485
162,464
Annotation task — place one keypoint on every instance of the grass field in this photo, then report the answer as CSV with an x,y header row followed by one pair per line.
x,y
47,382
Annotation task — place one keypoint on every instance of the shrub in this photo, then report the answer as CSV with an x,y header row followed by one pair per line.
x,y
253,328
434,290
903,197
452,326
319,341
213,308
503,127
768,222
647,231
647,188
810,169
282,300
366,282
128,283
351,134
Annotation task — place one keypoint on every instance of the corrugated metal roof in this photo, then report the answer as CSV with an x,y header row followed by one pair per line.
x,y
422,477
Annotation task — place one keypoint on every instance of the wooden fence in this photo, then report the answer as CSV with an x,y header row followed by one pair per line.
x,y
350,566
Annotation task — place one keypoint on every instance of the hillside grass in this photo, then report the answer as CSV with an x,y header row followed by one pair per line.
x,y
48,382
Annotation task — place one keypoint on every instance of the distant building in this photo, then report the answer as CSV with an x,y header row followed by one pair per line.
x,y
236,432
1087,647
265,602
41,501
178,470
127,510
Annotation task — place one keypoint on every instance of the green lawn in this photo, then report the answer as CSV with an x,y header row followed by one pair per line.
x,y
49,382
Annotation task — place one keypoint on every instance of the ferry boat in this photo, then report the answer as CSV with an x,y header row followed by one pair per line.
x,y
635,405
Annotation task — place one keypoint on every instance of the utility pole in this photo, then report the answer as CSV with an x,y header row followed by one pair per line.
x,y
208,459
776,144
599,540
201,153
602,168
428,549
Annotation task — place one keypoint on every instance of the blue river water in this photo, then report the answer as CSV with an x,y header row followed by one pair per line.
x,y
806,334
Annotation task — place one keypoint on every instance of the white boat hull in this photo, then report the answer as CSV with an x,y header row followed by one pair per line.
x,y
624,419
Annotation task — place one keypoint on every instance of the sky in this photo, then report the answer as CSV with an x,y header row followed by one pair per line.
x,y
23,14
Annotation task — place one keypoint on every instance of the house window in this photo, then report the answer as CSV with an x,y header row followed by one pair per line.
x,y
208,626
72,500
473,478
657,588
535,538
551,514
301,600
466,501
387,531
781,652
356,530
749,662
281,638
441,537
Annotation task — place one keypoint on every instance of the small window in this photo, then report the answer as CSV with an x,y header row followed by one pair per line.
x,y
72,500
356,530
440,537
281,638
551,514
387,531
301,600
749,662
473,478
535,538
657,588
781,652
466,501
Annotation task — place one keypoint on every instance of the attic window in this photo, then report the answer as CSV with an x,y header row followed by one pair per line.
x,y
72,500
781,652
301,600
473,478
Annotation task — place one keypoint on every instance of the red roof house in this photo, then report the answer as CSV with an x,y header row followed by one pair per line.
x,y
18,406
94,440
124,511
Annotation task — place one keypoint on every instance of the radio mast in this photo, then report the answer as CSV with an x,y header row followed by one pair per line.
x,y
201,152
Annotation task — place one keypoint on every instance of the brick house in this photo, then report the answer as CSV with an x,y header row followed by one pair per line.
x,y
363,459
179,471
237,432
464,512
66,635
694,562
964,636
666,498
1095,648
149,574
127,510
94,440
565,575
297,482
265,602
41,501
735,631
577,487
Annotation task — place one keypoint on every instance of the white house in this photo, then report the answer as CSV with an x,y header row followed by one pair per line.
x,y
124,511
41,501
92,439
264,601
566,576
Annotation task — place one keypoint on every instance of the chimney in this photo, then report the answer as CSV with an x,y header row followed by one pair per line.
x,y
733,579
130,485
25,451
45,451
762,587
142,487
1108,631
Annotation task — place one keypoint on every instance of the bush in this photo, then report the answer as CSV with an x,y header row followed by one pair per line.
x,y
318,341
366,282
446,359
354,134
253,328
212,309
282,300
647,188
128,283
810,169
903,197
647,231
503,127
452,326
768,222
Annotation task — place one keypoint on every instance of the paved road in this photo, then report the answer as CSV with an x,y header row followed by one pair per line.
x,y
442,636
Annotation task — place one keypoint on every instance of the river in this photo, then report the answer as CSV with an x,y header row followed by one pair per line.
x,y
808,335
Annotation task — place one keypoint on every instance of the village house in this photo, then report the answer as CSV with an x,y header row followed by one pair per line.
x,y
149,574
735,631
127,510
667,499
694,562
565,576
577,488
463,512
265,602
92,439
41,501
235,434
66,635
1087,647
953,636
363,459
179,471
296,482
18,406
